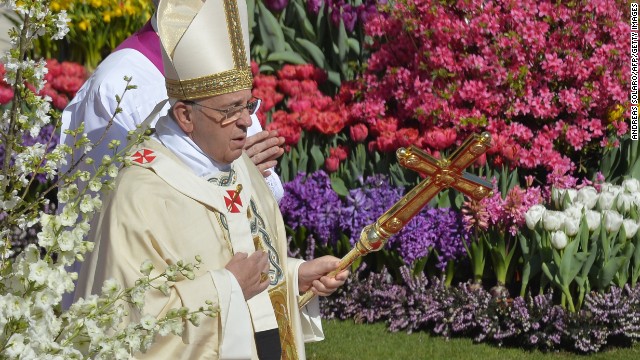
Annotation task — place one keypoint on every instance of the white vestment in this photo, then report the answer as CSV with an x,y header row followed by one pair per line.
x,y
161,211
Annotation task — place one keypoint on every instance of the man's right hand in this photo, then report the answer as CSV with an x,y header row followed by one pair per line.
x,y
247,270
264,149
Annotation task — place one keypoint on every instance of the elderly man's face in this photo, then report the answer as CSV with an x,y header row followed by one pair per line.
x,y
212,126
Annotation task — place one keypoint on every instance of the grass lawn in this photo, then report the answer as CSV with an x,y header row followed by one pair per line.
x,y
346,340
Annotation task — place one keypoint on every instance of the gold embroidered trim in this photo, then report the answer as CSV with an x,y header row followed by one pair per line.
x,y
211,85
224,178
222,221
235,34
278,296
258,230
236,79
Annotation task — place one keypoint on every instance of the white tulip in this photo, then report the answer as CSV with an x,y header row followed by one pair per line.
x,y
553,220
594,219
588,196
624,202
558,240
630,227
571,225
616,189
574,211
605,200
636,199
631,185
558,196
533,215
612,220
604,187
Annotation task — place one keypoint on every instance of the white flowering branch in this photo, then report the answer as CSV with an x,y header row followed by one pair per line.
x,y
33,281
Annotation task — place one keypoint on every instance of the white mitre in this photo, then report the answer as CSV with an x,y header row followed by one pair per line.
x,y
200,60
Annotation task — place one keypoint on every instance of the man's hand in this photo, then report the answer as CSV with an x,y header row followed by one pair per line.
x,y
313,275
247,270
264,148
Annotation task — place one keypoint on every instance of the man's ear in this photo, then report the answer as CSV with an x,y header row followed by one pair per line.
x,y
183,115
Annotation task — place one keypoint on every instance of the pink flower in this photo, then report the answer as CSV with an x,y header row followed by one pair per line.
x,y
6,95
358,132
339,152
331,164
439,139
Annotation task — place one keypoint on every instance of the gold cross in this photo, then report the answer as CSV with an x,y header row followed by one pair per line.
x,y
441,174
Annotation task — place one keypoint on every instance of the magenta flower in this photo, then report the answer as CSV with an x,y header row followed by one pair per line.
x,y
276,5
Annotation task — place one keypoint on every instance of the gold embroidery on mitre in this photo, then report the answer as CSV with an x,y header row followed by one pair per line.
x,y
278,295
212,85
236,79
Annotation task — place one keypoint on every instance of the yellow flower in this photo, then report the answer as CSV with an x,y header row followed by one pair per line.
x,y
106,17
55,6
84,25
615,114
96,3
130,10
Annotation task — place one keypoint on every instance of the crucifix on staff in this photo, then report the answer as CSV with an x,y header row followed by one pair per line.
x,y
441,174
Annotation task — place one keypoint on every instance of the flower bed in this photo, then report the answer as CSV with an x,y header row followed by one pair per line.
x,y
531,322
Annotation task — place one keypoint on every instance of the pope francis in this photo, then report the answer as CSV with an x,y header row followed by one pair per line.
x,y
190,191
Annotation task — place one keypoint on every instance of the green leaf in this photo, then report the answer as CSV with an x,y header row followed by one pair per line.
x,y
342,44
270,29
571,263
304,23
317,156
314,52
623,272
251,9
289,34
608,271
334,77
289,57
442,199
354,45
266,68
547,271
284,167
418,265
338,186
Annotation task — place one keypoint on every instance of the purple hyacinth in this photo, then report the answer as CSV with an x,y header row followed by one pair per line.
x,y
364,205
440,230
310,202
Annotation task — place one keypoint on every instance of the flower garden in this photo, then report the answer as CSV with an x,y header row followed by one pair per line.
x,y
549,261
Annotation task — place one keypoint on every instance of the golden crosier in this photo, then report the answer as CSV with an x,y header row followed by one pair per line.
x,y
441,174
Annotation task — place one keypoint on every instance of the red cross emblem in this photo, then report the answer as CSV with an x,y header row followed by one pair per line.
x,y
233,201
143,156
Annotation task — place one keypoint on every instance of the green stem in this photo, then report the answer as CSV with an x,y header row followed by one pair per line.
x,y
449,273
